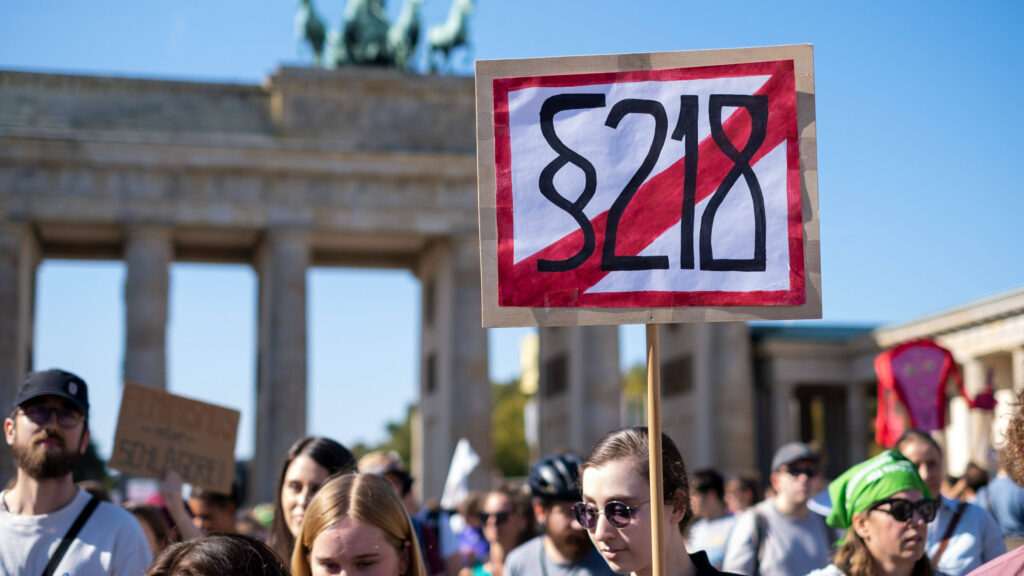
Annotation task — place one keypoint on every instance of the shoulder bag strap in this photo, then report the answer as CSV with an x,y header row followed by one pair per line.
x,y
949,532
76,527
760,529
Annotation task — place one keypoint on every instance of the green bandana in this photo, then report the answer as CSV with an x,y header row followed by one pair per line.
x,y
870,481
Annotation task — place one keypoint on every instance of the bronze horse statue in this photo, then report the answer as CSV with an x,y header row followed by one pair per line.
x,y
309,27
453,33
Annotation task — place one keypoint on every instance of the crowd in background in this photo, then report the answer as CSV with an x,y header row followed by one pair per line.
x,y
897,513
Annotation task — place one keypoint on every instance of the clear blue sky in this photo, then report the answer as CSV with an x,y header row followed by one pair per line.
x,y
918,147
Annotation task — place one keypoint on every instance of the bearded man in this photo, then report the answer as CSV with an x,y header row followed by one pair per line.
x,y
563,548
48,525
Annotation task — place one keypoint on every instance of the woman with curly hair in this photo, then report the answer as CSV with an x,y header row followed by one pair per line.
x,y
885,507
1011,563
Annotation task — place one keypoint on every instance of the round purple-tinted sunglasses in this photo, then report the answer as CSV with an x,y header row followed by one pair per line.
x,y
616,512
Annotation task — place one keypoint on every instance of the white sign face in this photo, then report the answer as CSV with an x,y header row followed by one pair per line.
x,y
641,189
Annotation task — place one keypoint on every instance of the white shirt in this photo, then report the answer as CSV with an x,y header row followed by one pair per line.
x,y
111,542
975,540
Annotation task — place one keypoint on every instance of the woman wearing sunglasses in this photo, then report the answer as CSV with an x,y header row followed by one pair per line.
x,y
507,522
616,505
885,508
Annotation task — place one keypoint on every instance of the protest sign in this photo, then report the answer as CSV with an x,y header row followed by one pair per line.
x,y
158,431
912,386
648,188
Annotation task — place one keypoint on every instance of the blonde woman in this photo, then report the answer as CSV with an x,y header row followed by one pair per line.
x,y
356,525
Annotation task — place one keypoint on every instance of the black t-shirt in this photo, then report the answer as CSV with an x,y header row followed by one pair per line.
x,y
704,567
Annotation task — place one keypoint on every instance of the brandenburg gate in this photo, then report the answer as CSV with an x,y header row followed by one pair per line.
x,y
356,167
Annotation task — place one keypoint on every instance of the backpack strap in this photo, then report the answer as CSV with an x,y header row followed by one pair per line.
x,y
760,530
988,502
73,531
949,532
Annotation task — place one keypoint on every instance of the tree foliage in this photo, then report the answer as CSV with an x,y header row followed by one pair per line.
x,y
511,454
91,467
399,438
508,434
634,388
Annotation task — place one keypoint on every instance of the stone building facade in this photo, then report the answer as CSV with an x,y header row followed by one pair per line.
x,y
733,393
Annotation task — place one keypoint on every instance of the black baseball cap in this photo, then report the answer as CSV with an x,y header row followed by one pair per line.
x,y
54,383
791,453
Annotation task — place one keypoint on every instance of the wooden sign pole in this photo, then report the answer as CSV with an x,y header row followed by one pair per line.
x,y
654,447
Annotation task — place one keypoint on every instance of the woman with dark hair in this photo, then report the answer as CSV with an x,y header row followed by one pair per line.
x,y
616,507
154,524
962,536
885,507
357,524
308,464
218,555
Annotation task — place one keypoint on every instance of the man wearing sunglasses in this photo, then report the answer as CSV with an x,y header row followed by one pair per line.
x,y
563,548
963,536
48,525
781,536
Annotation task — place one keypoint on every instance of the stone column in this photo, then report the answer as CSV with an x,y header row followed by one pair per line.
x,y
148,253
734,395
587,358
1006,398
19,258
785,416
281,262
855,418
705,451
976,374
595,384
966,437
455,388
1017,368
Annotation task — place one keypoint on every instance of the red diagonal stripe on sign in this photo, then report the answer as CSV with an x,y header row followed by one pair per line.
x,y
655,208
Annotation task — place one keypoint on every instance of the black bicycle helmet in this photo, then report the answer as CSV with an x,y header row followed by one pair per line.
x,y
555,477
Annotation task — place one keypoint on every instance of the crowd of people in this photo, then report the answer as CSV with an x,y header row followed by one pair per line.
x,y
895,514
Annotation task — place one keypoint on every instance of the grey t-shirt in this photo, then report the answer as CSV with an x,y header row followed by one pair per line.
x,y
791,546
530,559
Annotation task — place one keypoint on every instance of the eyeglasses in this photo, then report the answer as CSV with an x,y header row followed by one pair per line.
x,y
40,414
615,512
499,517
902,509
798,471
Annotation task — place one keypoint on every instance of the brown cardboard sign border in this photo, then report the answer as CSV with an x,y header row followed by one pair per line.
x,y
498,316
158,431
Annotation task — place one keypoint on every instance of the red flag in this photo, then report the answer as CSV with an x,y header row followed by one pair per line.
x,y
913,375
